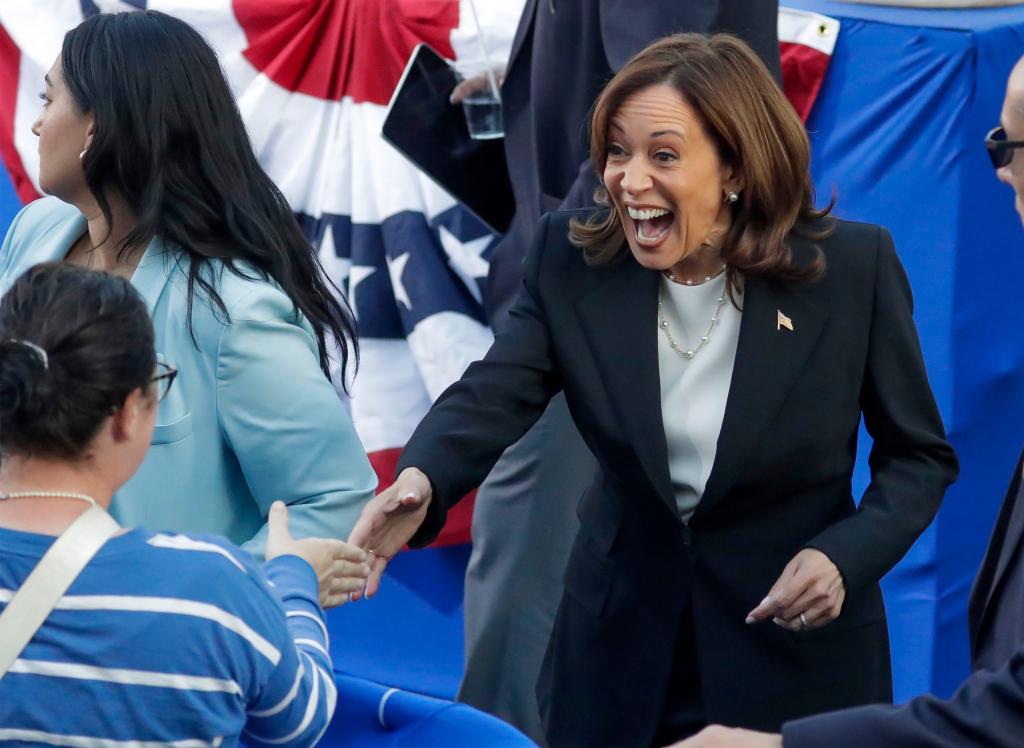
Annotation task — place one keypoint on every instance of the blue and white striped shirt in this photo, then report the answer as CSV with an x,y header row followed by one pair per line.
x,y
173,640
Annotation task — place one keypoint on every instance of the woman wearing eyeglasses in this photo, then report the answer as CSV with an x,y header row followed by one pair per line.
x,y
153,178
191,647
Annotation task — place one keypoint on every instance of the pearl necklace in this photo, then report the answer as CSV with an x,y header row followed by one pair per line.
x,y
672,277
689,353
48,495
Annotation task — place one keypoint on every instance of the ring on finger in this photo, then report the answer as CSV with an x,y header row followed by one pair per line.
x,y
803,621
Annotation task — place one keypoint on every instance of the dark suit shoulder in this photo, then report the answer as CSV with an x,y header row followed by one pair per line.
x,y
852,251
558,221
849,241
556,245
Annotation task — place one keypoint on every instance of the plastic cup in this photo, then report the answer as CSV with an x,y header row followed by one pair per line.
x,y
483,116
482,106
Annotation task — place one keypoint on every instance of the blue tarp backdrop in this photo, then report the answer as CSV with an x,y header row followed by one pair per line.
x,y
897,133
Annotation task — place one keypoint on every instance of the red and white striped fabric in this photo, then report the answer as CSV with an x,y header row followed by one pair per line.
x,y
806,43
313,80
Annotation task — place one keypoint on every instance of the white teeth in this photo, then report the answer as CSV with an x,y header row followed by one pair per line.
x,y
646,215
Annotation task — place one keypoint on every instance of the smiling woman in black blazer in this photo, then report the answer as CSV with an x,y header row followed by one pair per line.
x,y
718,340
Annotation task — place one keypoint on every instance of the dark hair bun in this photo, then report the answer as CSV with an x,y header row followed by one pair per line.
x,y
23,379
96,344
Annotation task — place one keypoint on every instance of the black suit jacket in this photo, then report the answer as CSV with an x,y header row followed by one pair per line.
x,y
780,481
563,54
988,596
988,708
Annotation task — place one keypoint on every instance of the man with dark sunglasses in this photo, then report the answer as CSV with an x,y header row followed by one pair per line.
x,y
1000,148
988,708
1004,141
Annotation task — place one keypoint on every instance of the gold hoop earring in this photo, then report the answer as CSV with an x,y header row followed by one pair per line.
x,y
81,156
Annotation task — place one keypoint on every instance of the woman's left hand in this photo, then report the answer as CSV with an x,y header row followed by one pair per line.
x,y
810,585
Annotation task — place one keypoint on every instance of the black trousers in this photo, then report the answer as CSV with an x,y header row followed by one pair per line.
x,y
683,712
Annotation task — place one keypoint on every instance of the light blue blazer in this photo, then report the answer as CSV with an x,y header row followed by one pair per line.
x,y
250,418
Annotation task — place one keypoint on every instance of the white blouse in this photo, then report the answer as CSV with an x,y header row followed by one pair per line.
x,y
694,390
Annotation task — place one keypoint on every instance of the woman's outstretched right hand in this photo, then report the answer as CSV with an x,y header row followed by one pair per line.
x,y
341,568
389,521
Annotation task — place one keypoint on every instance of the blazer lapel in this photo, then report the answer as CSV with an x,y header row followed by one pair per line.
x,y
769,357
522,33
620,320
153,273
1014,535
1007,535
150,277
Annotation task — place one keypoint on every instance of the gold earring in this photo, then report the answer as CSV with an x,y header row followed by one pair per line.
x,y
81,156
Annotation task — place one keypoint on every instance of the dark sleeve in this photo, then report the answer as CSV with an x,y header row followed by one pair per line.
x,y
627,26
507,257
757,23
988,709
495,402
911,462
581,193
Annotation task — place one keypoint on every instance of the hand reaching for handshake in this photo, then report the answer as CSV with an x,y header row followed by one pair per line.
x,y
347,572
340,567
389,521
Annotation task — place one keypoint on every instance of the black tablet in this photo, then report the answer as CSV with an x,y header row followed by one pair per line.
x,y
431,132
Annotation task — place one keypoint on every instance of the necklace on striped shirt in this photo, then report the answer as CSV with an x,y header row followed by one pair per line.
x,y
48,495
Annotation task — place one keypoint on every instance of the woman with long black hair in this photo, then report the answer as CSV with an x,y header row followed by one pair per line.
x,y
153,177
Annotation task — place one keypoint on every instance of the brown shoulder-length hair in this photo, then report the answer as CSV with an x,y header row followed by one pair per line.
x,y
755,130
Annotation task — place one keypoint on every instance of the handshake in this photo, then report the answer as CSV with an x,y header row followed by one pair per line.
x,y
345,571
342,569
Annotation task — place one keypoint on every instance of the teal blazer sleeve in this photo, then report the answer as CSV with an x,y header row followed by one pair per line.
x,y
250,419
293,439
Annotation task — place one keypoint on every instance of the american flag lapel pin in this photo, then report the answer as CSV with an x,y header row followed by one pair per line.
x,y
783,321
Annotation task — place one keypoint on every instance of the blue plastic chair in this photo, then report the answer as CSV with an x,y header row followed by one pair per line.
x,y
374,716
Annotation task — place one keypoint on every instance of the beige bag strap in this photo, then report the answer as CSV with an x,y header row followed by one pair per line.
x,y
50,579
